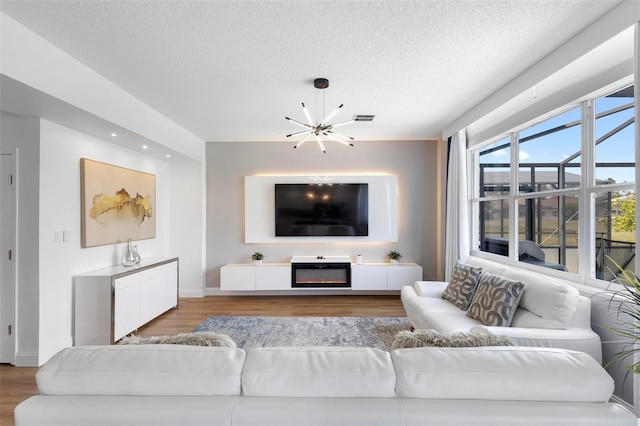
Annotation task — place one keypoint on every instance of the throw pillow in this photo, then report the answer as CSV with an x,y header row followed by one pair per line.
x,y
199,338
462,285
477,336
495,300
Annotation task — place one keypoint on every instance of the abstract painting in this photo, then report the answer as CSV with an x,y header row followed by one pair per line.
x,y
117,204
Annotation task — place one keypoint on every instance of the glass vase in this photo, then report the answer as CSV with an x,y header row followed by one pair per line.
x,y
129,255
136,256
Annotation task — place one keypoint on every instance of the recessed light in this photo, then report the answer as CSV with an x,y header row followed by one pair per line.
x,y
168,156
144,147
114,134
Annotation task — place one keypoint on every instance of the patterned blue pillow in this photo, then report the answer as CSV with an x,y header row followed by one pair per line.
x,y
495,300
462,285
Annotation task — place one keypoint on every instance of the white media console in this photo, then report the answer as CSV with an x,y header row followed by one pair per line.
x,y
318,273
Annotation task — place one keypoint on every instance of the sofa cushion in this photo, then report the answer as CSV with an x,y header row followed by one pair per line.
x,y
146,370
319,371
552,302
435,313
495,300
500,373
462,285
447,323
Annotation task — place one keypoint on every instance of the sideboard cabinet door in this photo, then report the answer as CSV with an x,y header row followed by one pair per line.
x,y
126,305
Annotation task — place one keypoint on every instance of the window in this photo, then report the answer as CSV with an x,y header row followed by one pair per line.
x,y
535,180
614,144
614,242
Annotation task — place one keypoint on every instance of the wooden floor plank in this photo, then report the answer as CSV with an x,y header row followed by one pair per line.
x,y
18,383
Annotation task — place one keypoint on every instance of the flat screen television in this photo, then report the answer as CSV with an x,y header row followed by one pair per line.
x,y
322,210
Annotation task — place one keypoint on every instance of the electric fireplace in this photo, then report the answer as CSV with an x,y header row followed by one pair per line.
x,y
321,272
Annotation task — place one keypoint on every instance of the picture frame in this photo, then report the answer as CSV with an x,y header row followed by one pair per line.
x,y
117,204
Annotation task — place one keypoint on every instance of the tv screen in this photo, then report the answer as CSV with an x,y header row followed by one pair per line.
x,y
320,210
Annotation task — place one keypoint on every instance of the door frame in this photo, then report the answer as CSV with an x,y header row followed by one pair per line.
x,y
11,304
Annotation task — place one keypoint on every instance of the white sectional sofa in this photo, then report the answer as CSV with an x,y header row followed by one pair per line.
x,y
550,313
162,385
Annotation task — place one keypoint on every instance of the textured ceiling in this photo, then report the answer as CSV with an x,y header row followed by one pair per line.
x,y
231,71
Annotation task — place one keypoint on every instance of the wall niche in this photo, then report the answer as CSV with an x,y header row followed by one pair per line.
x,y
259,208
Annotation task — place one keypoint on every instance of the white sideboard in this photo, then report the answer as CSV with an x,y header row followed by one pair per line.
x,y
112,302
277,276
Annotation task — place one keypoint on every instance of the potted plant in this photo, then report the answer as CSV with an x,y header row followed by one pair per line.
x,y
257,258
394,256
626,304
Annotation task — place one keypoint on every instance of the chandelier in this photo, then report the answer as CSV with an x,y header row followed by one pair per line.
x,y
324,128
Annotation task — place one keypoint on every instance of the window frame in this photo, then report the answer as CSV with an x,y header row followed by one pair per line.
x,y
586,192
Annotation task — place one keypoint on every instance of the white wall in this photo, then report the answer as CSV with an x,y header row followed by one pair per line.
x,y
24,134
59,199
415,164
188,225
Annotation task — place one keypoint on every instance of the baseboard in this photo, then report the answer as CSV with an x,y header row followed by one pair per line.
x,y
27,359
191,293
215,291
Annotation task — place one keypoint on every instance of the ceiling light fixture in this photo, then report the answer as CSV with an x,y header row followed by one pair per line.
x,y
324,128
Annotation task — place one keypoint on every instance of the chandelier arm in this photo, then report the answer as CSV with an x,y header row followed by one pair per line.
x,y
321,145
306,126
306,113
341,135
337,140
342,123
299,133
303,140
330,116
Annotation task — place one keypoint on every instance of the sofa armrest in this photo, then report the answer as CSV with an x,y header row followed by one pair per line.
x,y
430,288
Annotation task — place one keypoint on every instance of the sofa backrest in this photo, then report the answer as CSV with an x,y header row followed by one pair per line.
x,y
485,373
486,265
322,371
546,302
155,370
509,373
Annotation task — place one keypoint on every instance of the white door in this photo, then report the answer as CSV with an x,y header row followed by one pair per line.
x,y
7,259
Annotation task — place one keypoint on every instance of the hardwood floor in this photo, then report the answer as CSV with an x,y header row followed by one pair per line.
x,y
18,383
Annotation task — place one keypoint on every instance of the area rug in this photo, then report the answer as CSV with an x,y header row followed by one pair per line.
x,y
254,332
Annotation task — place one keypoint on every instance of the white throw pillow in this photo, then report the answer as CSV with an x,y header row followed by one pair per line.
x,y
554,302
